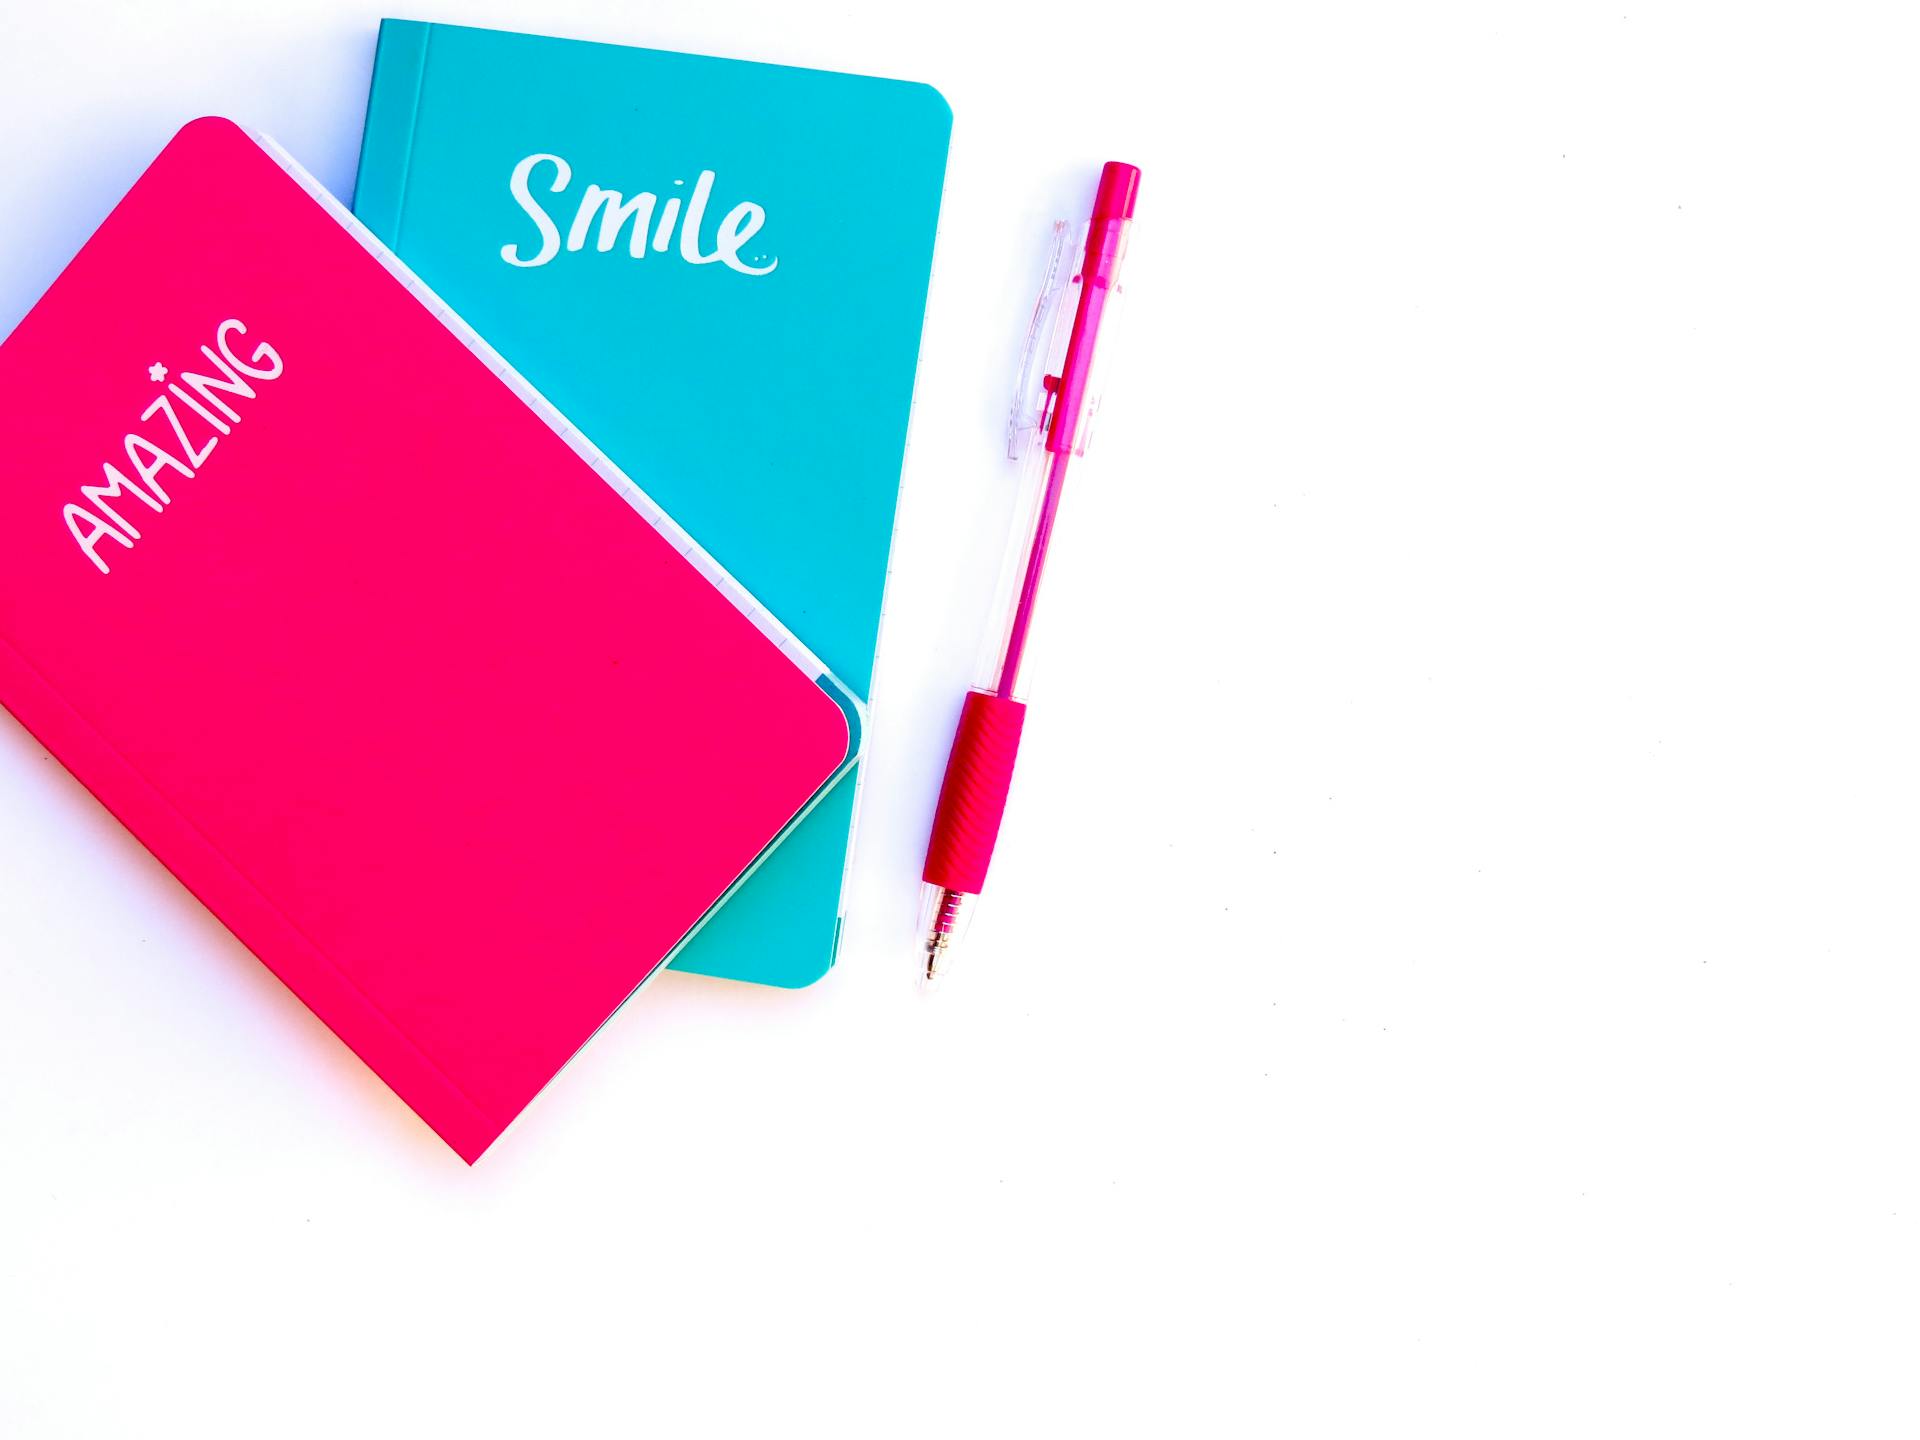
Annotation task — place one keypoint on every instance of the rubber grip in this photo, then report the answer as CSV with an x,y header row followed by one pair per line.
x,y
973,797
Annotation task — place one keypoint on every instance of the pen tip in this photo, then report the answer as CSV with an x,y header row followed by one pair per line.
x,y
936,952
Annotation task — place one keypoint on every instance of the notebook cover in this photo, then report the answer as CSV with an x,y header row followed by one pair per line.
x,y
390,670
766,405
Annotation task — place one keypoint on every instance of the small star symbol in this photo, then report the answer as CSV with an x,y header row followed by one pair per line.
x,y
156,372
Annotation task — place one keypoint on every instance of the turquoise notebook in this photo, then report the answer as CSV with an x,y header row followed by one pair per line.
x,y
717,270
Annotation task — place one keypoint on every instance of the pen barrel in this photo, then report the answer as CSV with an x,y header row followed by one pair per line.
x,y
973,797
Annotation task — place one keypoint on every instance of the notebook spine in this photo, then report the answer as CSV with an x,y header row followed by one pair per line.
x,y
393,108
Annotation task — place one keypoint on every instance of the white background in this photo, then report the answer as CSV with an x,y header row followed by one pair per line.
x,y
1450,969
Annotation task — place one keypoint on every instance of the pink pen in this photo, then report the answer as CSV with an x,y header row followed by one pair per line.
x,y
1050,424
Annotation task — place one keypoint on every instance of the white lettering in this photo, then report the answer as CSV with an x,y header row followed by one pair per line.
x,y
639,210
96,518
116,486
613,212
99,531
165,407
543,222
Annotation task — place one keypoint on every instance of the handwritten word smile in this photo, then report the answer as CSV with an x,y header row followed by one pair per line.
x,y
643,212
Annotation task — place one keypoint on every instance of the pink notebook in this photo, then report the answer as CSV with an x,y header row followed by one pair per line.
x,y
461,758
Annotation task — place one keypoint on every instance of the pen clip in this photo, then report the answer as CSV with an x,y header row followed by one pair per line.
x,y
1046,344
1049,334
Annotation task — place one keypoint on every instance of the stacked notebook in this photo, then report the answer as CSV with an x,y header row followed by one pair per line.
x,y
473,603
